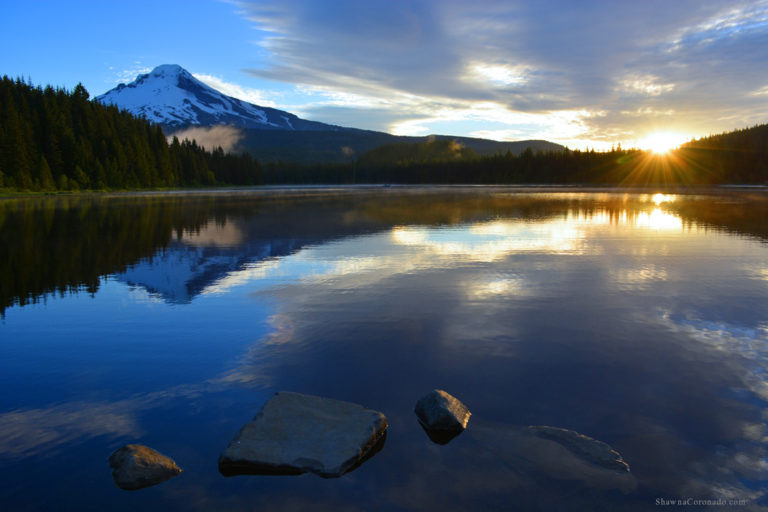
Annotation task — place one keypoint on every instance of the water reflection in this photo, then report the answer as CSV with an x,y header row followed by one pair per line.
x,y
639,321
407,248
175,247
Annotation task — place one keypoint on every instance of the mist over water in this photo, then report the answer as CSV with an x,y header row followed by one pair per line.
x,y
211,138
638,319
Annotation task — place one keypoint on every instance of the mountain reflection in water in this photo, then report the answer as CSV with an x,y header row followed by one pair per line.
x,y
637,319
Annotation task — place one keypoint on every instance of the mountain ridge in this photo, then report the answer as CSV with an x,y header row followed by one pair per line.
x,y
172,97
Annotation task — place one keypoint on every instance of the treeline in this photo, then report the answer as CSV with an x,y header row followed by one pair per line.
x,y
439,162
53,139
735,157
463,166
739,156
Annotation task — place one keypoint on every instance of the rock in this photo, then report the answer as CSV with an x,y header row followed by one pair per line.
x,y
497,447
296,433
442,415
592,450
136,466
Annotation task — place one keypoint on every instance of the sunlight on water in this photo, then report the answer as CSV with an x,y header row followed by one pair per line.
x,y
663,198
655,219
486,290
406,248
636,319
659,220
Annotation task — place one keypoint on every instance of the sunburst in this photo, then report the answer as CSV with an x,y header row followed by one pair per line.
x,y
662,142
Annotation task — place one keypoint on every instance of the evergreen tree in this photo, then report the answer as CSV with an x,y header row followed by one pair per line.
x,y
51,138
46,178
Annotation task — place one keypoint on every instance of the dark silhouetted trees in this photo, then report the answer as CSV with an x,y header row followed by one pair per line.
x,y
51,139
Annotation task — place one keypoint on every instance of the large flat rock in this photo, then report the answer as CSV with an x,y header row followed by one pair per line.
x,y
296,433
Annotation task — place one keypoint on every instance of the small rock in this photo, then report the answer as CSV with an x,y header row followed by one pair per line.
x,y
442,415
296,433
136,466
592,450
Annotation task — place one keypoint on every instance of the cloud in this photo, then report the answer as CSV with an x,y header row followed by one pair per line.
x,y
130,74
647,85
225,136
700,59
236,91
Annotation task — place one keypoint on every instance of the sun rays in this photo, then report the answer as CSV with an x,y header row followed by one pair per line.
x,y
663,142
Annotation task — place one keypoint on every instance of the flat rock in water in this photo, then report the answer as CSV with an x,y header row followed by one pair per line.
x,y
442,415
296,433
136,466
592,450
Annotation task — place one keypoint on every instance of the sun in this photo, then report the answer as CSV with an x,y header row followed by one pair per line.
x,y
662,142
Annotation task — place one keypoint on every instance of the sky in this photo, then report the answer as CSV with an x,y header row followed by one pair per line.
x,y
586,74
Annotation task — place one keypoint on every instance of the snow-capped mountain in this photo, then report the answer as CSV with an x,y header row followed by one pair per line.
x,y
169,95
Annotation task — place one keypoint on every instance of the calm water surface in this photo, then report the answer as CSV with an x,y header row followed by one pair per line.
x,y
637,319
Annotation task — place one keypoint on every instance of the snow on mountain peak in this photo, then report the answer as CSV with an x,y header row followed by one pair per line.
x,y
170,95
163,69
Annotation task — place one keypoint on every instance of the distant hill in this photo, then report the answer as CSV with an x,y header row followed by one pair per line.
x,y
346,145
170,96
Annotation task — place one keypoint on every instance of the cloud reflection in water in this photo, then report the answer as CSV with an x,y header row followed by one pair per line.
x,y
616,322
549,331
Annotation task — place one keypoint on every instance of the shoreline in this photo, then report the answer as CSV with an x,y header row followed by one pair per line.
x,y
311,189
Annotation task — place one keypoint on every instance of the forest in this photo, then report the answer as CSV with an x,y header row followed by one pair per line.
x,y
735,157
55,140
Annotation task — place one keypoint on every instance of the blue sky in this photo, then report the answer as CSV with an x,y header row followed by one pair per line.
x,y
582,73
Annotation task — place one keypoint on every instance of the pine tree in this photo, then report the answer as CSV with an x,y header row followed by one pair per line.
x,y
45,176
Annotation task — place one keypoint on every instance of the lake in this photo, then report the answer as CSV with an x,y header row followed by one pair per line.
x,y
639,319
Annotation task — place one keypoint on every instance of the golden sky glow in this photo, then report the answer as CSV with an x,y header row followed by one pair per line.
x,y
663,142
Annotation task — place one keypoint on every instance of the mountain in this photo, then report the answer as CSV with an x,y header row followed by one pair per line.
x,y
170,96
345,145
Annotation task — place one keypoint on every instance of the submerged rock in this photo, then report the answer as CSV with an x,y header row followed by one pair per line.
x,y
296,433
519,452
136,466
442,415
592,450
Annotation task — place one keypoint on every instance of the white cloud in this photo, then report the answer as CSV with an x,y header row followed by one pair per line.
x,y
588,74
236,91
130,74
411,127
497,74
645,85
647,112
